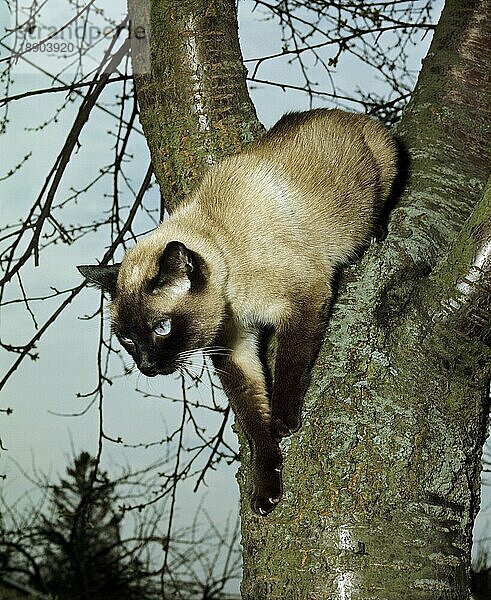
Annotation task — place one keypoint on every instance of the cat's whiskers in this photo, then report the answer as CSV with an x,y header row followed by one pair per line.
x,y
184,357
129,369
198,370
197,378
207,351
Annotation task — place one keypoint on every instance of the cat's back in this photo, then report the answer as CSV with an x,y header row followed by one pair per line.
x,y
331,147
318,177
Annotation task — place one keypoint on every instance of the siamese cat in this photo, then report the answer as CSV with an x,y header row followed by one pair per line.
x,y
252,250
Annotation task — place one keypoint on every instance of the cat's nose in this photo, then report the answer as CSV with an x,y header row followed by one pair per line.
x,y
148,367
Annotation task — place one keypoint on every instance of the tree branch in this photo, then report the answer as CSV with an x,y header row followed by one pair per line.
x,y
60,165
75,291
447,123
458,295
194,104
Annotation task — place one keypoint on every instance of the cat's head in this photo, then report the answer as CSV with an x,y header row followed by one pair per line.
x,y
164,304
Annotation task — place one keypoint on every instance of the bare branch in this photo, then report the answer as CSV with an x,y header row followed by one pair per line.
x,y
59,168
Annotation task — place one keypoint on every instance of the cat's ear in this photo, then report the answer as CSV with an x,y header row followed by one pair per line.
x,y
179,267
102,276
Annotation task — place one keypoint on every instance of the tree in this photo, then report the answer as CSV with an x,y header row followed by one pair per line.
x,y
75,549
78,544
382,481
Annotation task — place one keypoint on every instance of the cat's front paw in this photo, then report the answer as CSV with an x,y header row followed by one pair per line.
x,y
284,426
267,487
264,498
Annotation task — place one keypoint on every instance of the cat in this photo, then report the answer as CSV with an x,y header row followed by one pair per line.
x,y
252,250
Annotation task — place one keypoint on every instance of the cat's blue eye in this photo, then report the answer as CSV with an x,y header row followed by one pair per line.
x,y
163,328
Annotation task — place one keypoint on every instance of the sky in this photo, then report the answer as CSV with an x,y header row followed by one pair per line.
x,y
38,439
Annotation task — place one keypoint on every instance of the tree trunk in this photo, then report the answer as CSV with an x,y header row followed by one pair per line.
x,y
191,86
381,483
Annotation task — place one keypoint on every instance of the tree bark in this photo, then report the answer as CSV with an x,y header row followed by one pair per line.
x,y
381,483
191,87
